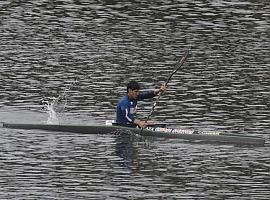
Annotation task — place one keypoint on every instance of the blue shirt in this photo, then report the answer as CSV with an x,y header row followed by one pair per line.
x,y
126,108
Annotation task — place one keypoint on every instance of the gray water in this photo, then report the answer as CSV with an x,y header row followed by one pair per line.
x,y
86,52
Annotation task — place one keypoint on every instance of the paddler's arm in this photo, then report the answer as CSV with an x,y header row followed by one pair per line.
x,y
140,123
153,93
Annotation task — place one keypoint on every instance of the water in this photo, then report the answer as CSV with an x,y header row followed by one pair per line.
x,y
86,51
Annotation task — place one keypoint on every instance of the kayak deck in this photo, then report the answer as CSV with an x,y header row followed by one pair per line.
x,y
153,132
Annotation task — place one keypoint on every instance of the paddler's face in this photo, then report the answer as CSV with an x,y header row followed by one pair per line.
x,y
133,94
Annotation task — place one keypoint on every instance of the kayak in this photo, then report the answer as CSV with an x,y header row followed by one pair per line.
x,y
160,132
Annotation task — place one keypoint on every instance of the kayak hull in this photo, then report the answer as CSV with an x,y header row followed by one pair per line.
x,y
190,135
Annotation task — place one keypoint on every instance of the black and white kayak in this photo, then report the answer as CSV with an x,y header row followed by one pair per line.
x,y
161,132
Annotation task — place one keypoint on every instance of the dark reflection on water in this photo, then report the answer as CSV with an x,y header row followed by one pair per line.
x,y
125,149
88,50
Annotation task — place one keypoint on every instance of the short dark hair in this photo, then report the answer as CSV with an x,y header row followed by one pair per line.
x,y
133,85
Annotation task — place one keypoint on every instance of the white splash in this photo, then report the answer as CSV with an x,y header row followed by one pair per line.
x,y
50,106
55,106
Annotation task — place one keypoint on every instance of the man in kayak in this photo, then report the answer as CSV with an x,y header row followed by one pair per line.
x,y
127,105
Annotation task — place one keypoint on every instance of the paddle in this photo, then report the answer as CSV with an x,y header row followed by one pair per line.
x,y
178,66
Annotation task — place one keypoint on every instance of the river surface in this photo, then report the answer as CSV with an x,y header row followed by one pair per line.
x,y
80,54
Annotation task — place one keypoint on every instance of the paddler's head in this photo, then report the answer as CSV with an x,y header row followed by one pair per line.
x,y
133,89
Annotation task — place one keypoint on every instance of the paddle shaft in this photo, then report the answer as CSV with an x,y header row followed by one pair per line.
x,y
178,66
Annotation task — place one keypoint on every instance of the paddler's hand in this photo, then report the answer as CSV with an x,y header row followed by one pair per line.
x,y
140,123
162,88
